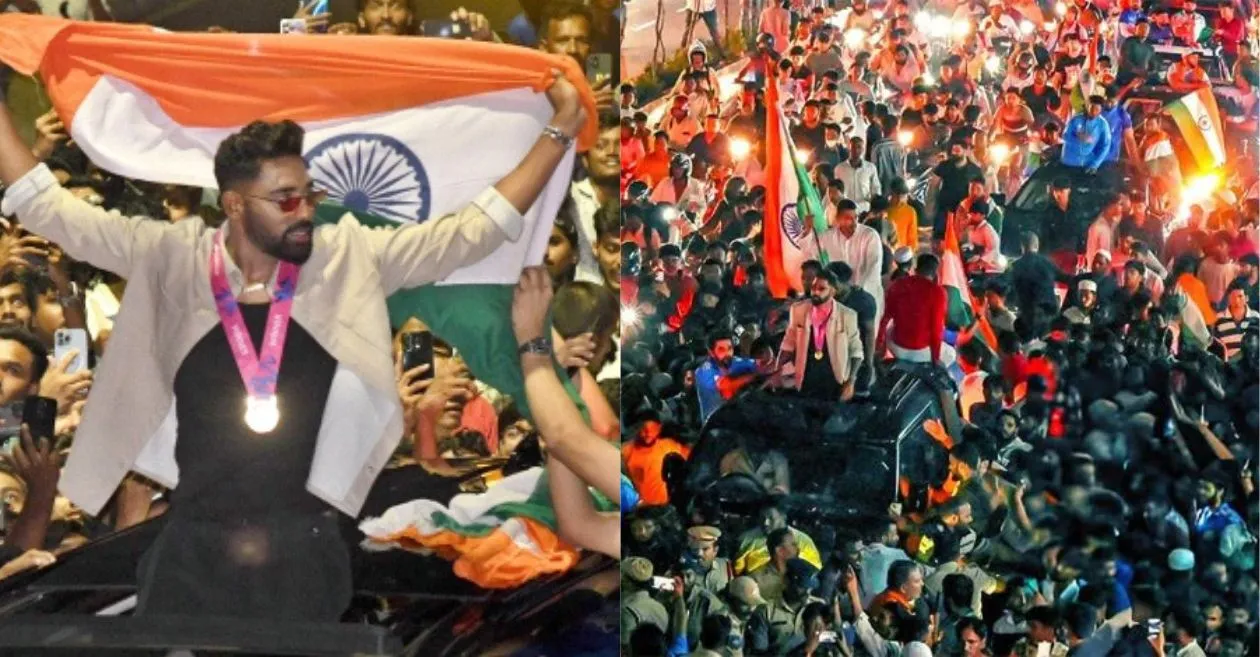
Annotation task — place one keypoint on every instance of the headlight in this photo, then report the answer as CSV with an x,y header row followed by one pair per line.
x,y
630,316
1201,188
740,148
999,153
854,38
940,27
669,213
1026,27
905,137
922,21
1060,9
993,63
960,29
803,156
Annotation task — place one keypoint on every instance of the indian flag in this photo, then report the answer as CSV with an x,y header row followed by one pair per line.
x,y
398,130
498,539
1199,119
787,185
958,309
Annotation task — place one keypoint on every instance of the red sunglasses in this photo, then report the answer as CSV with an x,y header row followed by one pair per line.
x,y
290,204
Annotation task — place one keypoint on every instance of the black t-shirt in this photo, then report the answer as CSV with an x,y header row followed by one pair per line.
x,y
226,471
861,302
1040,103
954,181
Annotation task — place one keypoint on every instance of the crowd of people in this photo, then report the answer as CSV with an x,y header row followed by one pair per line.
x,y
1009,203
448,412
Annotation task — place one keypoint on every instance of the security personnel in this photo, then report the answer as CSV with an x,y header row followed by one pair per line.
x,y
637,606
786,616
712,572
750,629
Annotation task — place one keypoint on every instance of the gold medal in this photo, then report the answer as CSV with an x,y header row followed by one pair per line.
x,y
818,355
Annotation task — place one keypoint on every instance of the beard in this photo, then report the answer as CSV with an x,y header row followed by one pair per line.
x,y
817,300
287,246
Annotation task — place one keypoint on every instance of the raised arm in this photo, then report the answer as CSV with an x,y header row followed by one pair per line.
x,y
569,440
424,253
43,207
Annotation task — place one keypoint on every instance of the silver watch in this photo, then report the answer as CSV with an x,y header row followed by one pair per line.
x,y
537,346
557,134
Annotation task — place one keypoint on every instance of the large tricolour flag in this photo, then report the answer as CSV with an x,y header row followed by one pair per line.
x,y
787,188
958,311
398,129
1199,120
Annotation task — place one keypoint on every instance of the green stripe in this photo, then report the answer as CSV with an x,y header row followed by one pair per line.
x,y
475,319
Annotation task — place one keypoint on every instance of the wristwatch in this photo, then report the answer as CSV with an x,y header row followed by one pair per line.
x,y
537,346
558,135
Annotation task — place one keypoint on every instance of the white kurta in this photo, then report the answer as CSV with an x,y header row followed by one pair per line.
x,y
864,252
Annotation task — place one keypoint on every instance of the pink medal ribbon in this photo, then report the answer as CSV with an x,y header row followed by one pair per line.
x,y
258,372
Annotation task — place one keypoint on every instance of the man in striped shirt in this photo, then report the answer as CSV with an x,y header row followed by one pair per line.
x,y
1232,324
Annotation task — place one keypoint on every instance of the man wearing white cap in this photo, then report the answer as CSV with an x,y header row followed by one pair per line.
x,y
1086,301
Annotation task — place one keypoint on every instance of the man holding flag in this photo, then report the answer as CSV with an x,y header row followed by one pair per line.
x,y
259,462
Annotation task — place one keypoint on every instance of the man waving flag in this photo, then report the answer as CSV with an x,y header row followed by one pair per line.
x,y
398,131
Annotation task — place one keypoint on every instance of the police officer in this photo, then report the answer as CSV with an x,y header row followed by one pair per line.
x,y
710,571
637,606
750,627
787,616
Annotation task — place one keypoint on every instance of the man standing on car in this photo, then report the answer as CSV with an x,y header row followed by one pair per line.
x,y
260,449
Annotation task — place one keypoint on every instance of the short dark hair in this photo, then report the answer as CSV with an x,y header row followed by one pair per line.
x,y
776,538
558,10
608,220
1045,614
899,573
974,624
240,157
39,354
927,264
714,631
24,277
958,589
1080,619
841,270
581,306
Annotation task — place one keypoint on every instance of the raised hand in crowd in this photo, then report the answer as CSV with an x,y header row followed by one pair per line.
x,y
64,386
39,465
576,352
315,23
50,133
478,23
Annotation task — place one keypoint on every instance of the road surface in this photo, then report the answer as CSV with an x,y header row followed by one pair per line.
x,y
640,36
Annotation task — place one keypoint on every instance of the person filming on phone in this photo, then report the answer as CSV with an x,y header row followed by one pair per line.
x,y
260,450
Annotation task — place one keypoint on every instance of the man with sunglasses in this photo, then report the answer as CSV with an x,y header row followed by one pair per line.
x,y
262,427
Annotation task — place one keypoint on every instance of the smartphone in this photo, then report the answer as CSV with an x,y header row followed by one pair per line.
x,y
292,26
598,67
67,340
319,7
446,29
1154,627
1043,649
10,426
662,583
418,350
827,637
40,414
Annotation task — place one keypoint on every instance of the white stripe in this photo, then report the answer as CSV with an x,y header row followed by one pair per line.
x,y
464,509
1199,114
463,145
